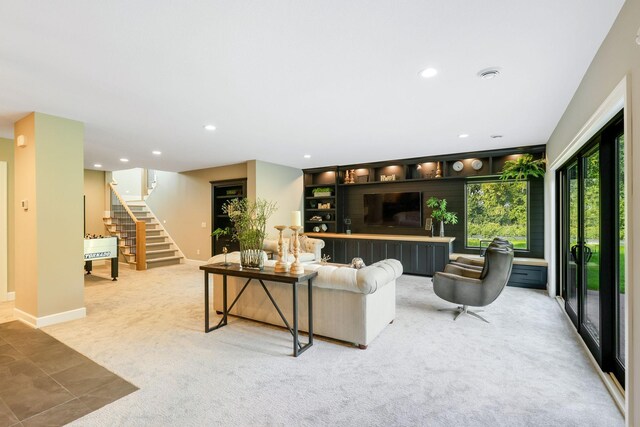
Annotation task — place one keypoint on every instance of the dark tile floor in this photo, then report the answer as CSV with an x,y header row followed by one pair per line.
x,y
45,383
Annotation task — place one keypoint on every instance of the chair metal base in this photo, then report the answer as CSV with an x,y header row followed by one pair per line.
x,y
460,310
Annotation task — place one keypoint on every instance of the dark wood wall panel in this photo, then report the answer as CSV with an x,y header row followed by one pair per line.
x,y
454,191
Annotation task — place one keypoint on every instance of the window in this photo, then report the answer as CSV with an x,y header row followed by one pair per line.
x,y
497,209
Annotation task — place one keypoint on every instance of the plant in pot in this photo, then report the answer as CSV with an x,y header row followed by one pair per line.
x,y
439,213
249,220
522,168
321,191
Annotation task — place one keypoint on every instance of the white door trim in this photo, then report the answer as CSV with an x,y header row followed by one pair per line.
x,y
4,267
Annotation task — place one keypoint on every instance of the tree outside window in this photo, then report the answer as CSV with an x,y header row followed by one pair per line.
x,y
497,209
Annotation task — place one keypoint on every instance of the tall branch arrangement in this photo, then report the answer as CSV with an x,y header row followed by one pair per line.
x,y
249,220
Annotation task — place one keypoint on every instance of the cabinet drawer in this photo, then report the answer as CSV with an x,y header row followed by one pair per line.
x,y
526,276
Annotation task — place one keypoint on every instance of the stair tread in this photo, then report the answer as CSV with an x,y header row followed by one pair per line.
x,y
158,243
159,251
163,259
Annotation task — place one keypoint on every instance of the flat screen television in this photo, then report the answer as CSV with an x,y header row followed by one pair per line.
x,y
393,209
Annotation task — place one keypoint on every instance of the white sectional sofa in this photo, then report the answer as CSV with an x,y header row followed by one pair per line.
x,y
348,304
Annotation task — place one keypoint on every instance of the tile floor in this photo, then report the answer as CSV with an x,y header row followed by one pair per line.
x,y
44,382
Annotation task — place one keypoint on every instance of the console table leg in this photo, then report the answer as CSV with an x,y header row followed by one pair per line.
x,y
310,291
206,302
295,320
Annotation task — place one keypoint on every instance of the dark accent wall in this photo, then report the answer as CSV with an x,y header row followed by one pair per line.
x,y
454,191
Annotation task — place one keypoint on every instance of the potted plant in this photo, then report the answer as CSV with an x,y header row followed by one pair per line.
x,y
321,192
249,220
522,168
439,213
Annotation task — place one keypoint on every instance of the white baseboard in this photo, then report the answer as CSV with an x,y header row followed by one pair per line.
x,y
194,262
11,296
52,319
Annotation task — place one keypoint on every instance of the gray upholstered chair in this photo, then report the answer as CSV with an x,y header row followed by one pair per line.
x,y
473,288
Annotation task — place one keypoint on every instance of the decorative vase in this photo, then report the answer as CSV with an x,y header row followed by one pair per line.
x,y
441,228
251,258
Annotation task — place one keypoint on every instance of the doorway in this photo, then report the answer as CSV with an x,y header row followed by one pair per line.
x,y
592,245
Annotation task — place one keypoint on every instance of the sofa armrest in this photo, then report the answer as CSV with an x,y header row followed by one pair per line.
x,y
470,261
314,246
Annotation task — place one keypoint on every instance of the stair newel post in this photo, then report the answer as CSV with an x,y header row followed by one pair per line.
x,y
141,245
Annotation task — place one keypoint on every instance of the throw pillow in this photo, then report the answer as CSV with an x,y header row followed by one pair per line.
x,y
357,263
302,241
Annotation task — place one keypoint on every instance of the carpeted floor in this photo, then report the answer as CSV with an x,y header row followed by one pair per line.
x,y
526,368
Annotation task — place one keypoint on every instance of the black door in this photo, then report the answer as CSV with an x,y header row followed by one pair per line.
x,y
591,245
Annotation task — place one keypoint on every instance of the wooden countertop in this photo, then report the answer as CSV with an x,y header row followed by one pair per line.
x,y
535,262
400,237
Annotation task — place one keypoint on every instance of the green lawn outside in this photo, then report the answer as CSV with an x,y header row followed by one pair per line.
x,y
593,269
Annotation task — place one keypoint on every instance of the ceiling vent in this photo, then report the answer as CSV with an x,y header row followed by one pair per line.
x,y
488,74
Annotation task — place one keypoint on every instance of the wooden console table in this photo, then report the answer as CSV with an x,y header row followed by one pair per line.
x,y
267,274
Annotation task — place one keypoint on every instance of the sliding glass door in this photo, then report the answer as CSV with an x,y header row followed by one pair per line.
x,y
592,245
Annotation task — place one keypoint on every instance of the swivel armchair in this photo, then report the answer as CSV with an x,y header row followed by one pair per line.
x,y
473,288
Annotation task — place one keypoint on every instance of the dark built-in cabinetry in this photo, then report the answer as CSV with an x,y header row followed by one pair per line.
x,y
423,256
341,208
221,193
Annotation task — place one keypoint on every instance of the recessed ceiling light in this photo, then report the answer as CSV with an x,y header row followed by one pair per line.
x,y
495,136
307,156
488,73
428,73
123,160
97,165
156,152
210,127
463,135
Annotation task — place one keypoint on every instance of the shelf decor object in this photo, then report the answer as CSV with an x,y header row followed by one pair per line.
x,y
439,213
477,164
458,166
296,267
438,171
282,266
522,168
322,192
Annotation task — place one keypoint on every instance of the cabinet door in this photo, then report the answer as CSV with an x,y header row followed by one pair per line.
x,y
394,250
425,259
409,258
440,257
378,250
353,250
340,251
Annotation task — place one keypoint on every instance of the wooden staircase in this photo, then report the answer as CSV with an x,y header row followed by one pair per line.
x,y
160,250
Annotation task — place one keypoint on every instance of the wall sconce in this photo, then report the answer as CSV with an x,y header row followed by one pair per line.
x,y
21,140
638,36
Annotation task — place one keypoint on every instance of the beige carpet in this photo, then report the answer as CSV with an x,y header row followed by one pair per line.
x,y
526,368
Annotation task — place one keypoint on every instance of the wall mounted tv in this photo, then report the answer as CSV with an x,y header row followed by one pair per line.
x,y
393,209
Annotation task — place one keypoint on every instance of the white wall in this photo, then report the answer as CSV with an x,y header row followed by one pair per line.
x,y
129,183
281,184
617,60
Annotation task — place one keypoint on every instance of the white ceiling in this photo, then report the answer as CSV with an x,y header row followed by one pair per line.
x,y
335,79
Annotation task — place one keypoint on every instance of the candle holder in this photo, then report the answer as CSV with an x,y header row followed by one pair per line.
x,y
282,266
296,267
225,251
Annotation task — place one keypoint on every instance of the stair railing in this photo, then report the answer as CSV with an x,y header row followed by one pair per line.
x,y
133,233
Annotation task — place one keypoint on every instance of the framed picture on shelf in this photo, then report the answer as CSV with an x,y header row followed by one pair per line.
x,y
362,178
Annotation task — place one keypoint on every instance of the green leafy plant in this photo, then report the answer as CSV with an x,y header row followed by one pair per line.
x,y
522,168
218,232
322,190
249,220
439,211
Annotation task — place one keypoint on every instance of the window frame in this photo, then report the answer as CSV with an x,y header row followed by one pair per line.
x,y
499,181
